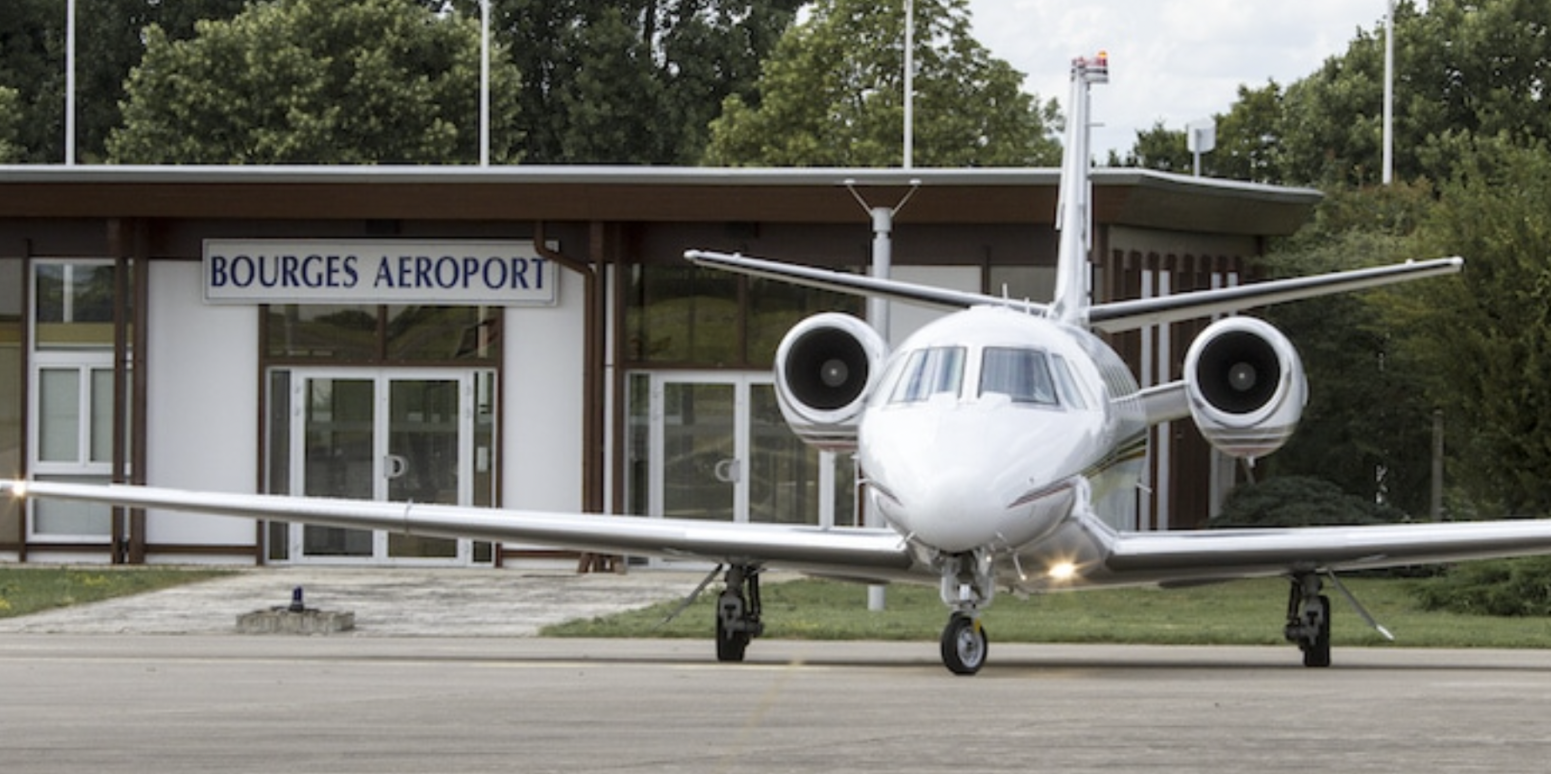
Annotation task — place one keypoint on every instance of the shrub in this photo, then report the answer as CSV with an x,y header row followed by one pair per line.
x,y
1299,501
1504,587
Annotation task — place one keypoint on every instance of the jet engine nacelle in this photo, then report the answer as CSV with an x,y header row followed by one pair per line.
x,y
1246,386
825,368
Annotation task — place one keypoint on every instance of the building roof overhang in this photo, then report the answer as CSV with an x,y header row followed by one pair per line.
x,y
1125,197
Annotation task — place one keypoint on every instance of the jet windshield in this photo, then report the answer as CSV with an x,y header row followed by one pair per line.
x,y
1021,374
929,372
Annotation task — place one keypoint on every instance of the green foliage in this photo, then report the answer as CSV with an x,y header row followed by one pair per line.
x,y
1368,423
10,149
26,590
832,94
1485,336
1505,587
634,82
315,82
109,44
1298,501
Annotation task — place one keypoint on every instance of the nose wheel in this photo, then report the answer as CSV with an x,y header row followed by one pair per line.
x,y
964,644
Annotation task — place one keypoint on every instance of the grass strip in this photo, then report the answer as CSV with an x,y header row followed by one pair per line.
x,y
1239,613
25,590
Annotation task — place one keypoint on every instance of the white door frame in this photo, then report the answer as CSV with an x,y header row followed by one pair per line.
x,y
382,379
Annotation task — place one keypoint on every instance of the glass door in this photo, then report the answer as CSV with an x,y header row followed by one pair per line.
x,y
400,436
717,448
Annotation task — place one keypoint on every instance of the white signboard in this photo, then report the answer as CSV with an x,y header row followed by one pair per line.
x,y
369,271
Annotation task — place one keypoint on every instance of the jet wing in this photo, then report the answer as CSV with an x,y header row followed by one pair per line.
x,y
1130,315
866,554
1185,557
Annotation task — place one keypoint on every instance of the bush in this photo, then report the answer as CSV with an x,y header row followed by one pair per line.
x,y
1503,587
1299,501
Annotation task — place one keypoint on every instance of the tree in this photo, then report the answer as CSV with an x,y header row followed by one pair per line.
x,y
10,150
315,82
1367,425
1463,67
831,94
109,43
633,82
1485,337
1158,148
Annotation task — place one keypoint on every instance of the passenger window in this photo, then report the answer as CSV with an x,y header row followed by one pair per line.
x,y
1021,374
1066,384
929,372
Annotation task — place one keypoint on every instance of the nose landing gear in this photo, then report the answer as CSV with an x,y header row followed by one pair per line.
x,y
967,586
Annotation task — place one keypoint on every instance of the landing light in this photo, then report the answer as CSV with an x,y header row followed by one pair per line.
x,y
18,489
1062,571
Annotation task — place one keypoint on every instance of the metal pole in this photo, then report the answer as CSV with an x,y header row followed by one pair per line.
x,y
1389,94
484,83
910,27
70,83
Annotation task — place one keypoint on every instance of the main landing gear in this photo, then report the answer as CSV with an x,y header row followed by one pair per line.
x,y
1308,619
737,612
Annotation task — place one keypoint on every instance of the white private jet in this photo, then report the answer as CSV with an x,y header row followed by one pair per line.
x,y
997,445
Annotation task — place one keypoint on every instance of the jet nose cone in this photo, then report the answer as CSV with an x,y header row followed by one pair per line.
x,y
950,510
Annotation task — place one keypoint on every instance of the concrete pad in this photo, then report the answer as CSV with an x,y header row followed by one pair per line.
x,y
386,602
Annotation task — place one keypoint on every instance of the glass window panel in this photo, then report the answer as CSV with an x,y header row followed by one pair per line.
x,y
73,305
334,332
65,518
775,306
59,415
102,415
683,314
443,333
929,372
637,440
699,451
1066,384
783,471
1021,374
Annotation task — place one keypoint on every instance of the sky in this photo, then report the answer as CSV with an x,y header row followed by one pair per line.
x,y
1175,60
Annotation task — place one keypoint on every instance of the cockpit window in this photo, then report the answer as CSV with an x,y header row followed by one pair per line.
x,y
1066,384
929,372
1021,374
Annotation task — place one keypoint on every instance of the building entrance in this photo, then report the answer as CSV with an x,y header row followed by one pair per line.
x,y
418,435
717,449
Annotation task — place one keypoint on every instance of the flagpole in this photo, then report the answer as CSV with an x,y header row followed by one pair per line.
x,y
910,26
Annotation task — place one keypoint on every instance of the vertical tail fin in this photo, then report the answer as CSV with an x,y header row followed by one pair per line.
x,y
1074,216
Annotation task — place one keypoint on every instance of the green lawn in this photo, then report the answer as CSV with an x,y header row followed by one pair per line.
x,y
26,590
1240,613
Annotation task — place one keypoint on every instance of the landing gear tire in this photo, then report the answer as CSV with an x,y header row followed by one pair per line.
x,y
738,613
1316,653
730,645
964,644
1308,619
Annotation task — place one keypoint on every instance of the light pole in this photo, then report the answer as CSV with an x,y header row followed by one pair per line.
x,y
1389,93
70,83
484,82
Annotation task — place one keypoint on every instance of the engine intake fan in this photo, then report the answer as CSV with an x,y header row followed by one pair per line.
x,y
825,369
1246,386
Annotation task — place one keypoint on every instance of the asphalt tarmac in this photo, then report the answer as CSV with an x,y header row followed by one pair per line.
x,y
403,702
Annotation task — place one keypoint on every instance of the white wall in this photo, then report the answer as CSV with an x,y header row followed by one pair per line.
x,y
541,390
202,412
905,319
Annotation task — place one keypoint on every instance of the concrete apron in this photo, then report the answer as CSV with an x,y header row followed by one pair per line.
x,y
385,602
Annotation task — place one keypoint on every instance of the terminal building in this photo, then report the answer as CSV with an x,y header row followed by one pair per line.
x,y
523,337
